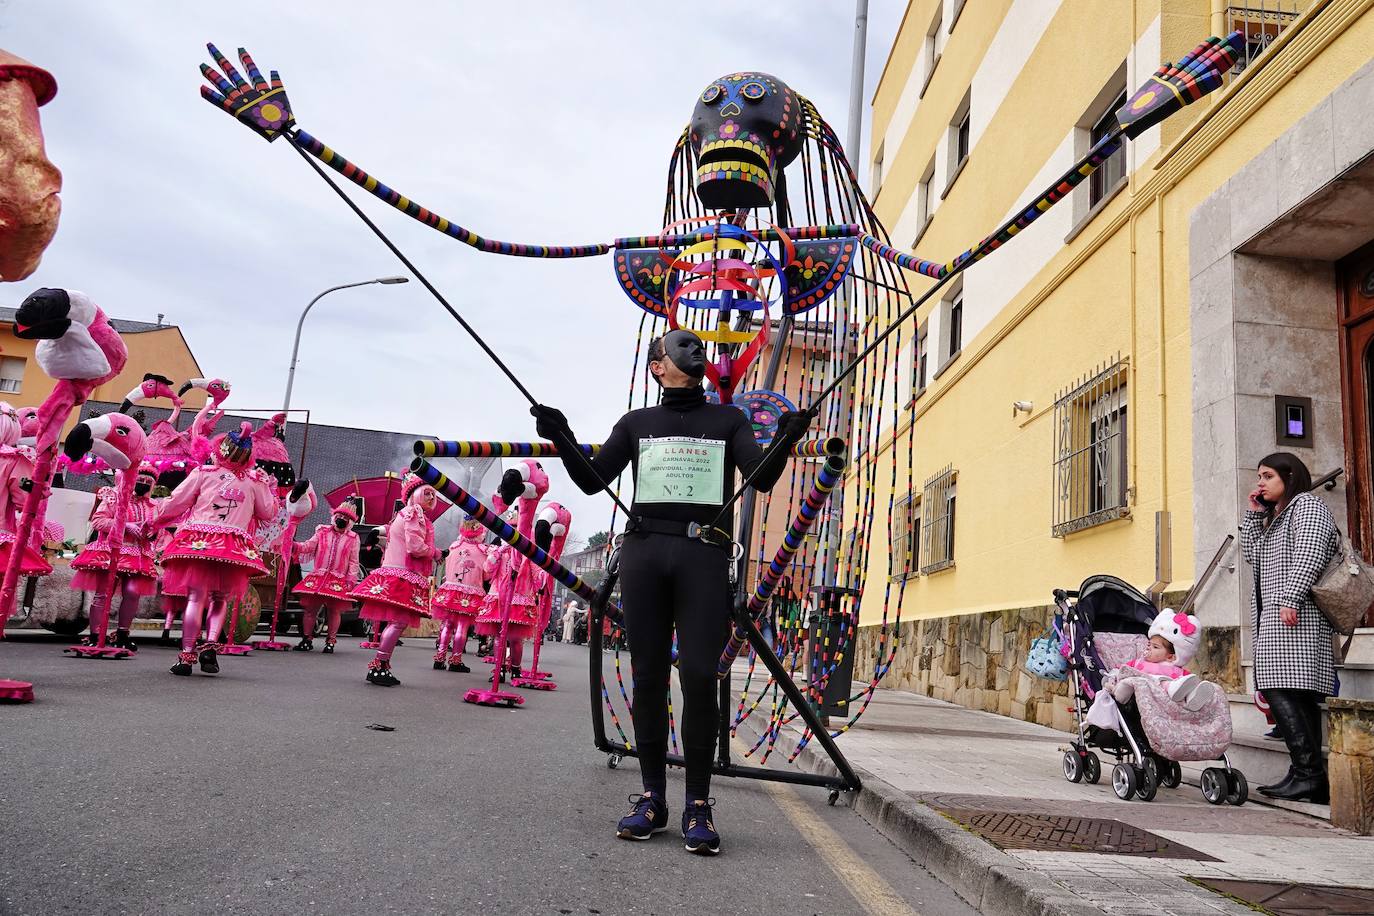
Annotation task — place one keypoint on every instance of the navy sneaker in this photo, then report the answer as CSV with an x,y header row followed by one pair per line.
x,y
648,816
699,829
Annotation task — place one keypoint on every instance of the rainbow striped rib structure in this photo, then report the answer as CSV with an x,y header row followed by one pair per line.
x,y
448,448
431,219
826,481
498,526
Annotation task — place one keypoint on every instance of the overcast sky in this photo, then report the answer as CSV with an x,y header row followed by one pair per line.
x,y
529,122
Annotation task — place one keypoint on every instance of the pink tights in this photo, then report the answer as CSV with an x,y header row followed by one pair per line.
x,y
312,613
453,636
173,605
195,614
128,607
390,636
515,652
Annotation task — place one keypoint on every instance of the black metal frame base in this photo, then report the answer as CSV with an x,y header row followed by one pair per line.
x,y
846,781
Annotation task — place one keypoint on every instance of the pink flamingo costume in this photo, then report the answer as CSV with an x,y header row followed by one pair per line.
x,y
212,556
78,347
16,466
397,593
334,574
551,534
458,600
136,574
509,613
108,564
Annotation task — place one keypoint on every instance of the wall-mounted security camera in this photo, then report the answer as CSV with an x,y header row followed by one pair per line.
x,y
1021,407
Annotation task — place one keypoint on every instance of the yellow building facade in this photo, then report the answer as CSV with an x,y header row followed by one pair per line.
x,y
1093,397
153,347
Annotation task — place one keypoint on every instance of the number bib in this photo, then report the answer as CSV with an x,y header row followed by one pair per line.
x,y
681,469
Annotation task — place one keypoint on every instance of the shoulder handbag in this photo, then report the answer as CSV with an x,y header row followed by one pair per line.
x,y
1046,658
1345,589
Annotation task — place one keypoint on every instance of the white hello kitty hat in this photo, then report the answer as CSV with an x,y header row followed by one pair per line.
x,y
1182,630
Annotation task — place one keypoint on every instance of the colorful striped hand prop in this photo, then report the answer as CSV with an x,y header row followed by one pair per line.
x,y
449,448
826,480
261,105
1173,86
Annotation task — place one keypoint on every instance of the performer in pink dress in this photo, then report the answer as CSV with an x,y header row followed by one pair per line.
x,y
16,479
458,600
212,556
397,593
522,486
137,576
334,551
550,534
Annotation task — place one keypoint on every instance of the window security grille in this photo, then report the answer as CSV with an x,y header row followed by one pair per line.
x,y
906,537
1090,485
937,534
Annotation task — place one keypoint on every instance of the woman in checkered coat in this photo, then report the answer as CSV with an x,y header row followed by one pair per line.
x,y
1288,537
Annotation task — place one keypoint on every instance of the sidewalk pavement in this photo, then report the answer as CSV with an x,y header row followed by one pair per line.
x,y
936,775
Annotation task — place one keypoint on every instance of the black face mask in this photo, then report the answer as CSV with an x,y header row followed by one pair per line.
x,y
686,351
341,523
142,488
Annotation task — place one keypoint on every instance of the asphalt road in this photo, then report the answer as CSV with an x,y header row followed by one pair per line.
x,y
262,790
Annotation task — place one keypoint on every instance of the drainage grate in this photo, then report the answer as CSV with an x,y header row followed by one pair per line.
x,y
1062,833
1283,899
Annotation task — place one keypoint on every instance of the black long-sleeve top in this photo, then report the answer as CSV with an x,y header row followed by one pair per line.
x,y
684,412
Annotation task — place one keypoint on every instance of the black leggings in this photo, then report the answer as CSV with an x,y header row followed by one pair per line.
x,y
667,582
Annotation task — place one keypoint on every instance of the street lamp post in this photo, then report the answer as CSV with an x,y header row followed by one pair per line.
x,y
296,345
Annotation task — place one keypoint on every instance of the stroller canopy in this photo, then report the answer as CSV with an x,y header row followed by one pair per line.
x,y
1106,604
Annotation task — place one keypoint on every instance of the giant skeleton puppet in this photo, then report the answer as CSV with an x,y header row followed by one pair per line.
x,y
763,223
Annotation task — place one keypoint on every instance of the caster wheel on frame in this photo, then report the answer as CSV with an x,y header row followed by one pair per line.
x,y
1215,786
1147,783
613,761
1173,775
1073,766
1092,768
1124,781
1238,790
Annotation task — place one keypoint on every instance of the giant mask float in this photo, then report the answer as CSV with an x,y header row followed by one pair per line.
x,y
29,183
764,222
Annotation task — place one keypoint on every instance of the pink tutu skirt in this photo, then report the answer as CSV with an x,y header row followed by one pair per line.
x,y
454,600
210,558
329,589
93,563
393,595
524,614
30,564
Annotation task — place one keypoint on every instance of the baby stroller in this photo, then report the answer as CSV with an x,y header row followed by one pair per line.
x,y
1106,623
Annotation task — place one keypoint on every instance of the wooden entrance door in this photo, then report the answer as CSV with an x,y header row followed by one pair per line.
x,y
1355,274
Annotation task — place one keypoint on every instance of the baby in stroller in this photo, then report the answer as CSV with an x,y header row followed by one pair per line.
x,y
1134,699
1173,641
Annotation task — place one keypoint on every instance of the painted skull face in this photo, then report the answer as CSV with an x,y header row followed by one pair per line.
x,y
745,129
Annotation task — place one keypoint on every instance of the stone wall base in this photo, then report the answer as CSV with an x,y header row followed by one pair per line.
x,y
978,661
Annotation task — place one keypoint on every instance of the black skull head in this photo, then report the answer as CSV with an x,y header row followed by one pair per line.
x,y
746,128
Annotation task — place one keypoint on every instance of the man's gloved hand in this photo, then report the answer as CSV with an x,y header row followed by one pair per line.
x,y
794,425
512,486
550,423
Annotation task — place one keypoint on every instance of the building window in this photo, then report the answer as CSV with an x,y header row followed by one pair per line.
x,y
12,373
960,141
934,45
1113,171
906,537
877,174
925,201
1090,459
1260,26
937,534
922,356
955,321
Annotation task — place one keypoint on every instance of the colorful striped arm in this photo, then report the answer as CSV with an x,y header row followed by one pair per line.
x,y
431,219
794,233
448,448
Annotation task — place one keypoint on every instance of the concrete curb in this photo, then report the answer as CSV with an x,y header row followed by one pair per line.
x,y
986,877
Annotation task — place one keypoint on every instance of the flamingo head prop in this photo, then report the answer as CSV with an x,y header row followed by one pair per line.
x,y
61,320
152,387
527,480
551,526
216,388
113,437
